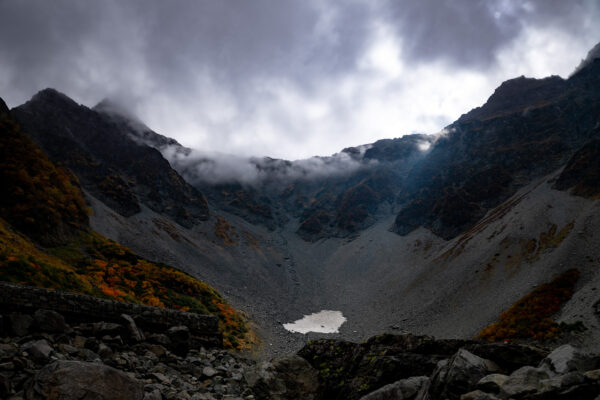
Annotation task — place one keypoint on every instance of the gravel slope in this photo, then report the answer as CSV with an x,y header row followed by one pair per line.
x,y
379,280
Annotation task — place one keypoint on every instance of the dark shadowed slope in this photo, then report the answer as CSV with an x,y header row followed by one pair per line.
x,y
113,167
526,129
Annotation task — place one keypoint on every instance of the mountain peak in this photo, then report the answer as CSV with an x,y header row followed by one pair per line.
x,y
51,93
518,94
592,55
3,107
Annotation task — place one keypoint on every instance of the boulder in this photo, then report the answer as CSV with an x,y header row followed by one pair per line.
x,y
593,375
180,339
523,381
19,324
209,372
567,358
405,389
100,329
50,321
78,380
478,395
491,383
508,356
289,377
133,332
40,351
460,375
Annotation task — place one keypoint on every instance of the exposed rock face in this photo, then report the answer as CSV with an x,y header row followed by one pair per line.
x,y
582,173
77,380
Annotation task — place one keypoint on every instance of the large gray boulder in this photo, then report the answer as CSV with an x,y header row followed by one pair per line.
x,y
478,395
40,350
284,378
19,324
405,389
491,383
179,339
50,321
567,358
459,375
78,380
524,381
133,332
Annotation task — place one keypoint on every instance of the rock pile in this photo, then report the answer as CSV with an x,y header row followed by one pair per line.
x,y
43,357
411,367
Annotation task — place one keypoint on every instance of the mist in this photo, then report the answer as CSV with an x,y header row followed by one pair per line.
x,y
199,167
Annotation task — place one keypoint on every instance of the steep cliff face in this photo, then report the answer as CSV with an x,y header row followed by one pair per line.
x,y
121,172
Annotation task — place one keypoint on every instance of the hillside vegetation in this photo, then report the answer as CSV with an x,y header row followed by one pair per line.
x,y
40,199
45,241
530,316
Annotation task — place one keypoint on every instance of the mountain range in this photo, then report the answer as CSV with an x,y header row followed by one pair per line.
x,y
432,234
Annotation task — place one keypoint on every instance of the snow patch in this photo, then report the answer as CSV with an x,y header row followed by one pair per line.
x,y
325,321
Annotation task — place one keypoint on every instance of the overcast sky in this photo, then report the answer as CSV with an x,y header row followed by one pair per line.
x,y
288,78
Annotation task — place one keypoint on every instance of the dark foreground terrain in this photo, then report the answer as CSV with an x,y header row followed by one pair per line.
x,y
44,357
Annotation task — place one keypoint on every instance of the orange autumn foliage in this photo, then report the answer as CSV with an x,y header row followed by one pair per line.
x,y
97,266
530,316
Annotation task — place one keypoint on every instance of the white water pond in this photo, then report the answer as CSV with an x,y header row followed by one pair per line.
x,y
325,321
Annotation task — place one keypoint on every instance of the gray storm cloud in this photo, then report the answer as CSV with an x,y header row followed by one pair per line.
x,y
287,78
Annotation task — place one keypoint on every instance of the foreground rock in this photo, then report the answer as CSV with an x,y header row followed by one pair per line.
x,y
409,367
76,380
289,377
43,357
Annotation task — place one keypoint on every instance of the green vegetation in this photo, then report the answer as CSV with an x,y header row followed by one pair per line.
x,y
530,317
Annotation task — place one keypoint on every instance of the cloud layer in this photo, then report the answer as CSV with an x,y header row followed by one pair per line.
x,y
287,78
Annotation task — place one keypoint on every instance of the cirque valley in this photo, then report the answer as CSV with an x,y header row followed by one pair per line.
x,y
432,234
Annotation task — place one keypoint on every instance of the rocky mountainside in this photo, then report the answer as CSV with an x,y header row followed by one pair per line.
x,y
446,183
122,173
46,241
526,129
